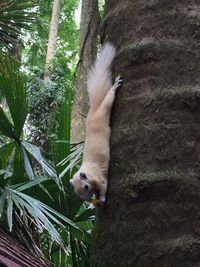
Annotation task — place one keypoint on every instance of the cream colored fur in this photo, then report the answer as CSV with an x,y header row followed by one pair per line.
x,y
92,177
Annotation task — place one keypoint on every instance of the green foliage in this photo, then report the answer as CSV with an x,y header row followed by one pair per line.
x,y
70,205
44,106
15,97
34,52
36,200
48,201
14,16
45,99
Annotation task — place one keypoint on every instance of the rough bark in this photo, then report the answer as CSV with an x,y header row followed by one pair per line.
x,y
53,33
152,215
87,53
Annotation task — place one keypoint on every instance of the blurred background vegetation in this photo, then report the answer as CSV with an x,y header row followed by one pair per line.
x,y
37,159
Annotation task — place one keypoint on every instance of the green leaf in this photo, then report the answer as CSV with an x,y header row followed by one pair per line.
x,y
43,215
14,15
10,212
6,152
18,169
88,214
74,158
81,235
24,186
6,128
27,164
2,201
13,88
35,152
33,207
63,149
45,209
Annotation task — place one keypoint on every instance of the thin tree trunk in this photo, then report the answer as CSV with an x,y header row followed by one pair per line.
x,y
87,53
152,215
53,33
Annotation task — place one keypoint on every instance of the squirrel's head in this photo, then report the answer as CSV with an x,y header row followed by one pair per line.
x,y
83,185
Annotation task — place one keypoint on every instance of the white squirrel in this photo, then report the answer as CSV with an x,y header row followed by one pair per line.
x,y
91,179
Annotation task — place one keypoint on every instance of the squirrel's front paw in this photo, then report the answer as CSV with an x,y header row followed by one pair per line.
x,y
96,202
118,81
99,201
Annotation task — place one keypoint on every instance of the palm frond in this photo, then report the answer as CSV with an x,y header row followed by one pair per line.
x,y
36,153
63,149
71,160
13,88
15,15
6,128
27,164
27,185
5,153
45,218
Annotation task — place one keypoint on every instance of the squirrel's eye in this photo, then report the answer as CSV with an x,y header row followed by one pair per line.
x,y
86,187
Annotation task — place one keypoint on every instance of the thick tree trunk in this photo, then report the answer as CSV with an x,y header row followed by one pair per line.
x,y
53,33
87,53
152,215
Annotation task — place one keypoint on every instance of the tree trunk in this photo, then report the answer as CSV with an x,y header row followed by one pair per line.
x,y
53,33
152,215
87,53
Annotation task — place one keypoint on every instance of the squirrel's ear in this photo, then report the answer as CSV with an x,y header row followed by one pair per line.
x,y
71,181
83,176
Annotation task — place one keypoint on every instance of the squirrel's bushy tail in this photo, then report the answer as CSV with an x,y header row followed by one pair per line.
x,y
99,78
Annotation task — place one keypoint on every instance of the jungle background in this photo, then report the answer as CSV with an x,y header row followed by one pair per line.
x,y
37,158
